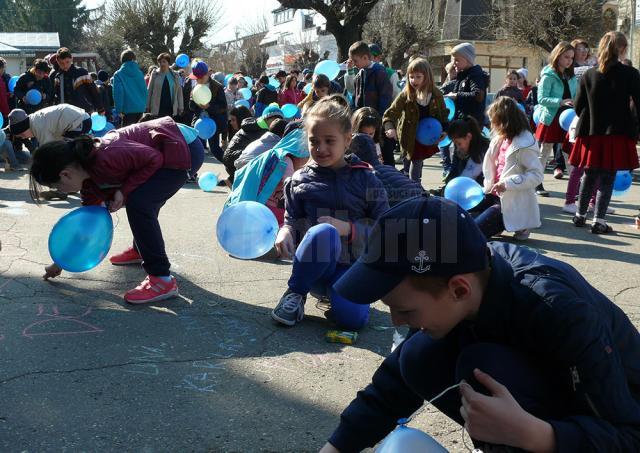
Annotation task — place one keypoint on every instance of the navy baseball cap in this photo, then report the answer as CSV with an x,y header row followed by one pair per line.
x,y
424,235
198,69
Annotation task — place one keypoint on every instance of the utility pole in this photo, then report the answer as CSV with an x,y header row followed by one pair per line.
x,y
632,29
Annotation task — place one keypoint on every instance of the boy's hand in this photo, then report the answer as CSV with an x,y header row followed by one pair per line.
x,y
344,228
117,202
392,134
499,187
52,271
499,419
285,245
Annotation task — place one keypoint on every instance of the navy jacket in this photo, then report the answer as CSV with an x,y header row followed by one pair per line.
x,y
373,88
217,109
397,186
546,308
352,194
471,88
26,82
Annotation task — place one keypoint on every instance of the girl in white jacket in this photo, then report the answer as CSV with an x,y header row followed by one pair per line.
x,y
512,170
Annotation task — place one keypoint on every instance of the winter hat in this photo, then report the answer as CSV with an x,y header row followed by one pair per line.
x,y
466,51
219,77
18,121
375,50
271,111
103,76
524,72
198,69
277,127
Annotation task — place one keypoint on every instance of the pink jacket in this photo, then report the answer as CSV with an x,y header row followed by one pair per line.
x,y
290,97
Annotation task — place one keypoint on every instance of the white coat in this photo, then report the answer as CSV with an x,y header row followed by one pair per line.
x,y
522,173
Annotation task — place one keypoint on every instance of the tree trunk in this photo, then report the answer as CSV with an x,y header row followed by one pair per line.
x,y
345,35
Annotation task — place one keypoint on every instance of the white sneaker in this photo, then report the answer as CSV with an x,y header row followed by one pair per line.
x,y
570,208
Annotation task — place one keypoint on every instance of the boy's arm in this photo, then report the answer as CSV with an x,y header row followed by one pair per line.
x,y
477,86
385,91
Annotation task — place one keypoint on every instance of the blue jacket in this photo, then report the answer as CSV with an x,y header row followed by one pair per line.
x,y
266,95
129,89
550,90
471,89
545,308
397,186
373,88
344,194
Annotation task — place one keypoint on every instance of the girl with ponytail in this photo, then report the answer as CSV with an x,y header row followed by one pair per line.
x,y
606,132
139,167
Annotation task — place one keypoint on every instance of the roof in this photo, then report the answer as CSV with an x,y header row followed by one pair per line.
x,y
7,49
31,41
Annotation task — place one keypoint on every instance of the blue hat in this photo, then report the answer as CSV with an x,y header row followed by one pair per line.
x,y
271,111
375,49
424,235
198,69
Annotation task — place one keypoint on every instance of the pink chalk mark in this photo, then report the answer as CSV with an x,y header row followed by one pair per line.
x,y
89,328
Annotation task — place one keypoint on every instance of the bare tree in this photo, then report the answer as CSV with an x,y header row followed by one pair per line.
x,y
253,57
544,23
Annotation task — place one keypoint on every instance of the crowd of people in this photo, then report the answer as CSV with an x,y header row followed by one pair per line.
x,y
509,322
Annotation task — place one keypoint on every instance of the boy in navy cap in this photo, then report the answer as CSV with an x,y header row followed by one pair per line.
x,y
548,363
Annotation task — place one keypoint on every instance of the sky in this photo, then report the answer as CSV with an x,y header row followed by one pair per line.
x,y
237,13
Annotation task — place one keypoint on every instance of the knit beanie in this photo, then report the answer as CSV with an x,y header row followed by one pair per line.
x,y
103,76
18,121
466,51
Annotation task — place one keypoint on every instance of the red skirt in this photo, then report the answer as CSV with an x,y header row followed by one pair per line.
x,y
552,133
607,152
421,152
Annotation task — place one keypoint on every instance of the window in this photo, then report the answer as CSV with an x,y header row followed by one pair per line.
x,y
284,16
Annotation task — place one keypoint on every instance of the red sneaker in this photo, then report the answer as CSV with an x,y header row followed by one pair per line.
x,y
129,256
152,289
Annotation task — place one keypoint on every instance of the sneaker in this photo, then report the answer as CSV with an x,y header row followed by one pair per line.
x,y
19,168
558,174
540,191
579,221
570,208
601,228
522,235
637,221
290,309
610,210
152,289
129,256
192,178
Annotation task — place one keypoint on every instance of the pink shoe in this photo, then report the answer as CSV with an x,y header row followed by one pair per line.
x,y
129,256
152,289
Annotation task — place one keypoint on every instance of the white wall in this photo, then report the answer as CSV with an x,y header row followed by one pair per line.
x,y
15,65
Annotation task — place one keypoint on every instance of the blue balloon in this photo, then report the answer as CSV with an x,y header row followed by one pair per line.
x,y
12,83
33,97
182,60
409,440
246,93
227,78
289,110
566,118
486,132
445,142
622,183
464,191
98,122
247,230
208,181
307,88
81,239
521,107
3,136
103,132
537,111
243,103
429,130
1,121
274,82
329,68
249,81
451,105
206,128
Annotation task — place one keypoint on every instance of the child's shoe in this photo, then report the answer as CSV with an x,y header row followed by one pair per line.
x,y
579,221
570,208
152,289
558,173
601,228
290,309
522,235
129,256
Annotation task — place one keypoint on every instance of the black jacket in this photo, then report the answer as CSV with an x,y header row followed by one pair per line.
x,y
545,308
249,131
26,82
79,89
602,102
217,109
471,88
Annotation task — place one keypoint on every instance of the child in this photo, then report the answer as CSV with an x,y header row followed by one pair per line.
x,y
420,99
544,361
236,116
556,91
511,89
50,124
372,87
511,171
290,94
607,131
367,121
265,96
139,167
523,83
470,147
328,214
36,78
321,87
232,94
470,89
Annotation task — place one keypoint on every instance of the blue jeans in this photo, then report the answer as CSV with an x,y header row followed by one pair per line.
x,y
14,157
316,268
196,148
445,152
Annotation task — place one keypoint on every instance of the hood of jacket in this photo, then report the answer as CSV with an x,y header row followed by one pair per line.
x,y
129,69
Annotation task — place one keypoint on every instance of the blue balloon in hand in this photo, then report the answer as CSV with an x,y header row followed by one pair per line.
x,y
98,122
208,181
451,105
566,118
537,111
245,93
445,142
243,103
206,128
329,68
81,239
409,440
33,97
247,230
464,191
12,83
182,60
622,183
429,130
289,110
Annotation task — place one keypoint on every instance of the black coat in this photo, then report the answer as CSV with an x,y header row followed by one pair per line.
x,y
602,102
217,109
471,89
26,82
79,89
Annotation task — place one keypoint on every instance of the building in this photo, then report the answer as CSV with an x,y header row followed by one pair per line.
x,y
294,32
20,49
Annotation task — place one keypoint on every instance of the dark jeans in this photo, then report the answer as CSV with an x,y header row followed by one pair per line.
x,y
316,269
589,182
143,206
559,156
445,152
85,129
214,146
489,219
196,148
429,366
130,118
387,148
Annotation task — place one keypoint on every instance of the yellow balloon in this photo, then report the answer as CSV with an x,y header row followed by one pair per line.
x,y
201,95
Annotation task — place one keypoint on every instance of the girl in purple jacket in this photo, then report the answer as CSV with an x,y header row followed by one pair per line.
x,y
330,205
140,167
